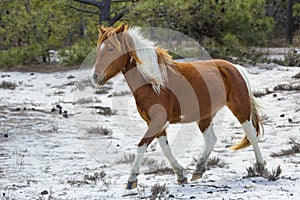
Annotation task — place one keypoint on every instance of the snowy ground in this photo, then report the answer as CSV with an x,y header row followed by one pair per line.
x,y
44,155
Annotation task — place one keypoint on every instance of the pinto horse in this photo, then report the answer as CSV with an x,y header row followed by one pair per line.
x,y
168,92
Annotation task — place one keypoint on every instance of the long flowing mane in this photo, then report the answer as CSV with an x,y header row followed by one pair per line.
x,y
155,61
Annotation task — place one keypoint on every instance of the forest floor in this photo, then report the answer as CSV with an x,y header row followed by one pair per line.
x,y
60,138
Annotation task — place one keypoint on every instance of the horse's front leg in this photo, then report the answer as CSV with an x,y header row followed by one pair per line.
x,y
155,127
178,169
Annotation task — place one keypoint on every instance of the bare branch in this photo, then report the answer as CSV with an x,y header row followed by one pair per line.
x,y
81,10
119,1
117,17
90,2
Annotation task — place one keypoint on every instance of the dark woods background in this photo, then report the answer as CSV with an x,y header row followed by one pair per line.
x,y
64,31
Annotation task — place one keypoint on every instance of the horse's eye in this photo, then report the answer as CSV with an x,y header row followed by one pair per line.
x,y
110,49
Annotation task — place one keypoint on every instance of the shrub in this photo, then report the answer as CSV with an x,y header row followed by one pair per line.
x,y
75,54
20,55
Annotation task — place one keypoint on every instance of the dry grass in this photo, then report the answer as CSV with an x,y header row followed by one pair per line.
x,y
274,175
103,90
212,162
90,179
261,93
287,87
253,171
99,130
122,93
126,159
216,162
295,148
94,178
8,85
296,75
154,166
107,111
291,58
163,170
103,110
265,119
84,100
159,192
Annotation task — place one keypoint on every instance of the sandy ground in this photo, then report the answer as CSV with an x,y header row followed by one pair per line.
x,y
45,154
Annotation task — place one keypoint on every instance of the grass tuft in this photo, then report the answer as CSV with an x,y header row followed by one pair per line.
x,y
275,174
122,93
99,130
107,111
103,90
153,165
296,75
216,162
287,87
85,100
213,162
94,178
253,171
295,148
159,192
126,159
261,93
7,85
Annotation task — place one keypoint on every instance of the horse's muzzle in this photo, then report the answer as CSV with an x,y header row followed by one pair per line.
x,y
98,79
95,77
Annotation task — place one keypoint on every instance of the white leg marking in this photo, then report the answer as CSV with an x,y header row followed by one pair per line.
x,y
135,170
251,135
210,140
163,142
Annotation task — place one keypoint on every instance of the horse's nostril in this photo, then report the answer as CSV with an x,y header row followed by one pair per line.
x,y
95,76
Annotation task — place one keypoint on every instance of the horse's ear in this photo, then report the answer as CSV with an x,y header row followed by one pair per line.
x,y
101,29
123,27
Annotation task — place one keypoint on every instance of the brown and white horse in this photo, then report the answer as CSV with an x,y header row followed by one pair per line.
x,y
168,92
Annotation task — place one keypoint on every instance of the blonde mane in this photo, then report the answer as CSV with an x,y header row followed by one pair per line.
x,y
154,61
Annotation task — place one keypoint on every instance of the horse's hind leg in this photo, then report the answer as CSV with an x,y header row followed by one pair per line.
x,y
252,137
245,111
210,140
178,169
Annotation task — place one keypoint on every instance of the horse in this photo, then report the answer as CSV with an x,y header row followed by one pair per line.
x,y
168,92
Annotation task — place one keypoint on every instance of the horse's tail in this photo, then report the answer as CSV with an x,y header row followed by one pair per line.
x,y
255,118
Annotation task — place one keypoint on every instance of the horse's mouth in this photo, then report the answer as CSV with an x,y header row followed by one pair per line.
x,y
100,81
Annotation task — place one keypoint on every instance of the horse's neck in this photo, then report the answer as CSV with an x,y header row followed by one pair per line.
x,y
133,77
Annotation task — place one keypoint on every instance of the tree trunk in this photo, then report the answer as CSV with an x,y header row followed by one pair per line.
x,y
105,11
289,23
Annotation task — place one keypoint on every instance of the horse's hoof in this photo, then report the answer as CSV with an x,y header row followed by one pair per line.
x,y
264,172
196,176
131,185
183,181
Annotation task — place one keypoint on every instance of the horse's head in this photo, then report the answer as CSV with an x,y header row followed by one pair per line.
x,y
113,53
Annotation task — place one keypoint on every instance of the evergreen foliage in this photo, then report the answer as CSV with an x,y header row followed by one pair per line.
x,y
31,29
